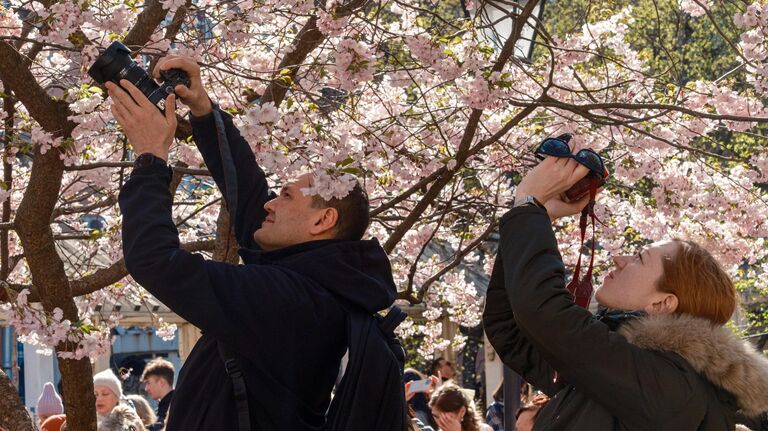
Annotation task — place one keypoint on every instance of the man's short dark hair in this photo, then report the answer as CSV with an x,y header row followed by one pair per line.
x,y
159,367
354,213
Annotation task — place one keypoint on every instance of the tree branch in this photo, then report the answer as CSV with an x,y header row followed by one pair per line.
x,y
106,276
127,164
307,40
547,101
146,23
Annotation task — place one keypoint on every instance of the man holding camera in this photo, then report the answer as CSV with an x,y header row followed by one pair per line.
x,y
306,267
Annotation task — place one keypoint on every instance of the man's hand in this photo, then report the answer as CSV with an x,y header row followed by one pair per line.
x,y
195,96
146,128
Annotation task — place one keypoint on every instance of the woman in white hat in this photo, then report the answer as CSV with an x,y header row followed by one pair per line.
x,y
110,413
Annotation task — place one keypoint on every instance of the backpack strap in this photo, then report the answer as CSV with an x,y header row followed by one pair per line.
x,y
392,320
238,384
387,326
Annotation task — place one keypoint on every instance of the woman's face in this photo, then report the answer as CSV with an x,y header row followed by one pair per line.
x,y
106,400
448,421
631,285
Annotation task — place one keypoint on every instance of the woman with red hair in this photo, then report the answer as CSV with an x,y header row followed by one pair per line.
x,y
660,358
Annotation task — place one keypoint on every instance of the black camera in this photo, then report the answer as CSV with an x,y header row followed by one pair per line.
x,y
115,63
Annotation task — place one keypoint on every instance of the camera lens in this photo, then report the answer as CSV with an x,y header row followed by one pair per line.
x,y
138,77
116,64
110,63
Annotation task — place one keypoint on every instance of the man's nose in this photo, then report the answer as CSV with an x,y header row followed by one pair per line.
x,y
270,205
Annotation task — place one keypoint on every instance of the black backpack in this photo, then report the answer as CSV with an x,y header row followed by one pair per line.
x,y
370,395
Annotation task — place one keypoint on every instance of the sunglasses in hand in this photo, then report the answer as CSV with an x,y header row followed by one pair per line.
x,y
558,147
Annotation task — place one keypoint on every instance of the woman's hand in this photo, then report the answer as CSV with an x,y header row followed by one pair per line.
x,y
550,178
558,208
447,421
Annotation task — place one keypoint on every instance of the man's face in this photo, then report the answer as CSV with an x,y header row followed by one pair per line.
x,y
155,386
290,217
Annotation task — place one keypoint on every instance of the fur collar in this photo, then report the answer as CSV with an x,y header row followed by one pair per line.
x,y
121,418
712,350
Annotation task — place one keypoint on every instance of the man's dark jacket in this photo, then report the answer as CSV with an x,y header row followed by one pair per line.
x,y
280,312
656,373
162,412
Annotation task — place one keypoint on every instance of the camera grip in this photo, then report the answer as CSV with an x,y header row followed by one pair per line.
x,y
581,188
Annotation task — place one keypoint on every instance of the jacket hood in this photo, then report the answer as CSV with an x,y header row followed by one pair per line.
x,y
121,418
712,350
358,271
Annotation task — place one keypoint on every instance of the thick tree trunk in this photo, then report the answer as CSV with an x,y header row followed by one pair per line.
x,y
13,415
225,249
48,276
77,393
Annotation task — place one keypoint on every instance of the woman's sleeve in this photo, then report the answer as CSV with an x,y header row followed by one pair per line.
x,y
512,346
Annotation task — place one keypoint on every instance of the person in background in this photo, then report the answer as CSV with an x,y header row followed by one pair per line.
x,y
454,410
527,414
158,383
418,401
54,423
443,369
494,416
144,410
111,415
49,403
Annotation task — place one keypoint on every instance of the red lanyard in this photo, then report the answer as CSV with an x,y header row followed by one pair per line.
x,y
582,289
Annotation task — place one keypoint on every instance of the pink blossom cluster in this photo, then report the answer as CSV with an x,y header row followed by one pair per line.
x,y
10,24
434,57
355,63
36,327
329,25
166,331
67,17
694,8
753,43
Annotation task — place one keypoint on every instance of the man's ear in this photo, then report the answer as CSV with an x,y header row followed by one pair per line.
x,y
325,221
665,304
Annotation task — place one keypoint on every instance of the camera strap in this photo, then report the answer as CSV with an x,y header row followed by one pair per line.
x,y
581,289
231,364
228,166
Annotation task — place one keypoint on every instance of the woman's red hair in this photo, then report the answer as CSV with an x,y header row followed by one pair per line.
x,y
702,286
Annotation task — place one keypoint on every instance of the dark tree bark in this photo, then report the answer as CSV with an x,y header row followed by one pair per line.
x,y
13,415
34,229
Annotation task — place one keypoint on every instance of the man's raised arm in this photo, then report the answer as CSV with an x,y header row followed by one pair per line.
x,y
252,189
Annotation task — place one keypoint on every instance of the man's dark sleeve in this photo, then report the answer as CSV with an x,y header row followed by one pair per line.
x,y
252,190
512,346
226,301
638,386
